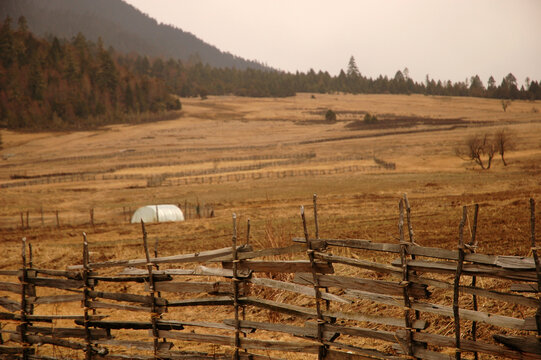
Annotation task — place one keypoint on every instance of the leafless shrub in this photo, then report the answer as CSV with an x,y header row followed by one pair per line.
x,y
505,104
504,140
479,148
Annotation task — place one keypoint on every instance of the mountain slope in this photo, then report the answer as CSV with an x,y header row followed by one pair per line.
x,y
121,26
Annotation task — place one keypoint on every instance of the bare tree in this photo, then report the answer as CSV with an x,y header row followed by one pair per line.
x,y
505,104
503,142
477,147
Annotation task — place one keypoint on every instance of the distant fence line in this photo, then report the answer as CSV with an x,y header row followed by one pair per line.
x,y
157,178
82,175
130,153
278,174
43,217
335,308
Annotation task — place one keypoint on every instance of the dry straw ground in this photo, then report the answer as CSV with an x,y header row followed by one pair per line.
x,y
220,136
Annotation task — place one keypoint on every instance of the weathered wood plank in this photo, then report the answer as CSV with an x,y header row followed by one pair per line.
x,y
216,287
417,324
506,262
216,300
328,315
331,354
210,325
469,269
74,275
368,353
375,286
59,332
47,318
192,355
360,263
280,307
420,352
38,339
265,252
200,270
465,344
397,301
292,266
12,287
383,335
10,272
143,299
244,342
487,318
204,338
250,326
300,289
134,325
123,357
106,305
55,299
527,344
62,317
12,350
512,298
174,259
140,345
274,345
528,288
64,284
9,304
136,278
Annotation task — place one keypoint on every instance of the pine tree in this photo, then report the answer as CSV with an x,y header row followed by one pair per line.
x,y
7,49
353,70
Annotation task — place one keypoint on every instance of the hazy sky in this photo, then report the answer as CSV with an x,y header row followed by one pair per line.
x,y
450,39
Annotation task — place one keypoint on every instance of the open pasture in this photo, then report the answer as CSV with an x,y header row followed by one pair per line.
x,y
261,159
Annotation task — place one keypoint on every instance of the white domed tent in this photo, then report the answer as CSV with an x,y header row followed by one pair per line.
x,y
157,213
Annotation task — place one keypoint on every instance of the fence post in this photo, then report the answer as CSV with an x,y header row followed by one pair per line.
x,y
316,225
57,220
472,246
154,314
42,222
86,319
31,289
92,217
320,320
22,221
411,240
236,281
24,321
456,286
537,263
27,219
405,282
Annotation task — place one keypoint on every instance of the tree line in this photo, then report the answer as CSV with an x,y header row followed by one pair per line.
x,y
196,79
77,84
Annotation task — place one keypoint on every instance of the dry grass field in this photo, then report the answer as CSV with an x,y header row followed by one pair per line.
x,y
262,159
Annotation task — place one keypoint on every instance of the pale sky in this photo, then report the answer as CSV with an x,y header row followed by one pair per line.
x,y
447,39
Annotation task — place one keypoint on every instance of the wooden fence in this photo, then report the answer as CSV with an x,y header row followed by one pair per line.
x,y
49,218
337,301
231,173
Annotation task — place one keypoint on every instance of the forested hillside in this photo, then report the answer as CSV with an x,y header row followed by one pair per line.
x,y
121,26
74,84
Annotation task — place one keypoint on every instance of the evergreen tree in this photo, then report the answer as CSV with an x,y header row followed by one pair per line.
x,y
7,50
353,70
